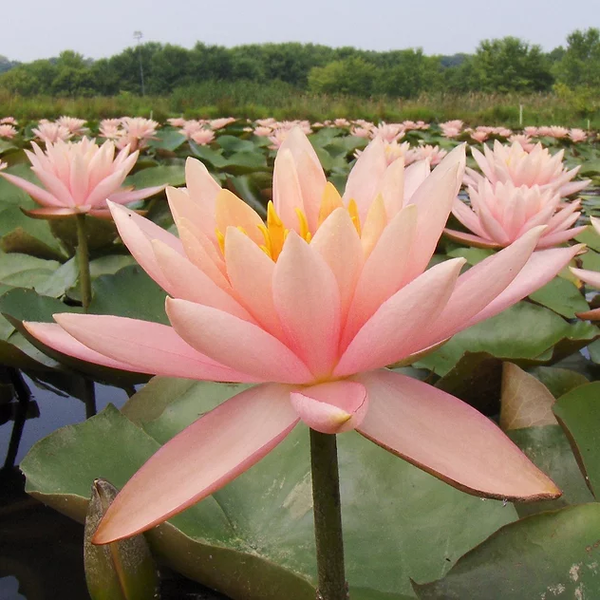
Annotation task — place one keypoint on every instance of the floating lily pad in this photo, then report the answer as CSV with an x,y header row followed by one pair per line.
x,y
544,556
579,412
253,539
524,333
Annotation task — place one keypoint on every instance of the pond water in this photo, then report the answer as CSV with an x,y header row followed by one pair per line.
x,y
41,552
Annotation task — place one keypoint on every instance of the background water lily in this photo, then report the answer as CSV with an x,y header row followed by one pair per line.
x,y
78,178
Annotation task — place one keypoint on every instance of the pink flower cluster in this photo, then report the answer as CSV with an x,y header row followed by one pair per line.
x,y
517,192
134,132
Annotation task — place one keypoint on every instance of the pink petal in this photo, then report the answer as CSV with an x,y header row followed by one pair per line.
x,y
187,281
384,271
234,342
337,241
307,301
126,196
434,199
449,439
414,176
37,193
137,233
559,237
287,193
55,337
250,271
200,460
365,177
147,347
185,206
590,277
543,266
476,288
231,211
400,321
470,239
332,407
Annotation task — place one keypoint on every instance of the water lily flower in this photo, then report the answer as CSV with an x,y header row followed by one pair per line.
x,y
592,278
73,124
7,131
502,213
49,133
513,163
135,132
310,306
79,178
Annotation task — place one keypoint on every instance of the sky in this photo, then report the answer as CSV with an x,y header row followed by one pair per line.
x,y
42,29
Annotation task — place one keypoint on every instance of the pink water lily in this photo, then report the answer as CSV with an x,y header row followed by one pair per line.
x,y
501,213
310,306
78,178
523,167
592,278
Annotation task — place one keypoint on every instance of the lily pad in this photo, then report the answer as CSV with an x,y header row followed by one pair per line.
x,y
162,175
562,297
129,293
549,449
579,412
524,333
544,556
253,539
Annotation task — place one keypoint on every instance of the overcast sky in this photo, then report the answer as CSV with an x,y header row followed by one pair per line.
x,y
41,29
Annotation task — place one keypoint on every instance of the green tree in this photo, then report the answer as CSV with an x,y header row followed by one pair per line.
x,y
509,64
580,64
353,76
410,73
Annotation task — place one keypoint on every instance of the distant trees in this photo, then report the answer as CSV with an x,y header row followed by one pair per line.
x,y
499,65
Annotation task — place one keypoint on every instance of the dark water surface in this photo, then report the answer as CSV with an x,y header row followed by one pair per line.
x,y
41,551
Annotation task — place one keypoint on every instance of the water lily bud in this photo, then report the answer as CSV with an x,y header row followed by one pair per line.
x,y
119,571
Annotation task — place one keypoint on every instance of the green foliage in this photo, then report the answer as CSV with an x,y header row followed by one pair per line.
x,y
580,64
509,64
347,76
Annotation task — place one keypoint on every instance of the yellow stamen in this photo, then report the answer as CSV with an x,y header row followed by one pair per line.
x,y
304,232
330,201
221,240
353,211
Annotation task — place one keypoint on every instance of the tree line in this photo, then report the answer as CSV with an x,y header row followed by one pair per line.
x,y
497,66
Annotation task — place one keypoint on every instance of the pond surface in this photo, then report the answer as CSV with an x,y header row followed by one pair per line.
x,y
41,551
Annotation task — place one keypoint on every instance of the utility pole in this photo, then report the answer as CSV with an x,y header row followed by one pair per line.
x,y
138,35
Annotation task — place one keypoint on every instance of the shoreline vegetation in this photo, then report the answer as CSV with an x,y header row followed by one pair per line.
x,y
504,82
216,99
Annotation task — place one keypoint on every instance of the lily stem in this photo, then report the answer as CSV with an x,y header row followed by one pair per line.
x,y
83,260
328,517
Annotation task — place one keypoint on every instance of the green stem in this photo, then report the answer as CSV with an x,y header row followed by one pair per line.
x,y
83,260
328,517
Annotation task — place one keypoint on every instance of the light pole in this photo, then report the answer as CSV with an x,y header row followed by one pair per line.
x,y
138,35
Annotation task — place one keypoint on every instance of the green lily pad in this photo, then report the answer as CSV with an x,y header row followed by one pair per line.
x,y
162,175
167,139
590,237
579,413
208,156
549,449
232,144
544,556
129,293
253,539
559,381
562,297
245,162
473,255
524,333
591,261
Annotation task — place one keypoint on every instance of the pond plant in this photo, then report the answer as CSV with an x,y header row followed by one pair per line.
x,y
289,329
